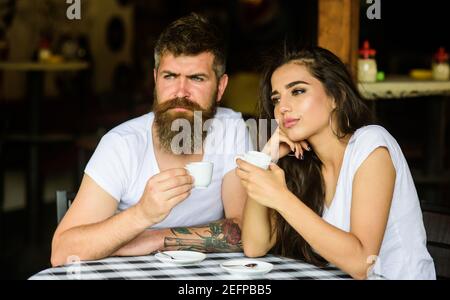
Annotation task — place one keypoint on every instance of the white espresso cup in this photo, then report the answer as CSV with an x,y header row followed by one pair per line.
x,y
256,158
202,173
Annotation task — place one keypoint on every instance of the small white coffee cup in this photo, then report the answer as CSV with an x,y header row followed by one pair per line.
x,y
257,158
202,173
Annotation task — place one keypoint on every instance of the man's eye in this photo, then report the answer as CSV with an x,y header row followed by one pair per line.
x,y
169,76
198,79
298,91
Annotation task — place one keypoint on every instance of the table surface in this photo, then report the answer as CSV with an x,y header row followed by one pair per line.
x,y
148,267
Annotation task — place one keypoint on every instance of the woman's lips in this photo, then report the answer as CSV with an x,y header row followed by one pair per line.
x,y
288,123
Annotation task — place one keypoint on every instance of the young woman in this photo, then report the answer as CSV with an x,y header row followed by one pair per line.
x,y
347,197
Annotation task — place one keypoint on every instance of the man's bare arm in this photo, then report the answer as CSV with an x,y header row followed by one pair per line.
x,y
208,238
220,236
90,230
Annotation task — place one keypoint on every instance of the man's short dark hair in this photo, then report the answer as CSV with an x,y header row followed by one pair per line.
x,y
192,35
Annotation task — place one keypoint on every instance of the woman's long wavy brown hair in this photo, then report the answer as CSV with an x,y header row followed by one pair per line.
x,y
304,178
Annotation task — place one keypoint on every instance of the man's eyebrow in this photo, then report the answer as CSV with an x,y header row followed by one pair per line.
x,y
293,83
166,72
198,75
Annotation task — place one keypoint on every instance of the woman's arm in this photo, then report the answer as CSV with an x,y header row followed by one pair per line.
x,y
257,239
258,236
373,188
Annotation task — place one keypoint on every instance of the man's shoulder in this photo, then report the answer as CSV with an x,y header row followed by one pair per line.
x,y
227,113
131,134
137,126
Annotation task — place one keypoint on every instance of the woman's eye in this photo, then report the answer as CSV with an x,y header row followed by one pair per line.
x,y
298,92
275,101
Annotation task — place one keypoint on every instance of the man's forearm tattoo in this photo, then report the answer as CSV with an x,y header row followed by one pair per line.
x,y
221,236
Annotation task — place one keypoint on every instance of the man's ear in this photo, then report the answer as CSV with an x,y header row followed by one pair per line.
x,y
154,74
223,82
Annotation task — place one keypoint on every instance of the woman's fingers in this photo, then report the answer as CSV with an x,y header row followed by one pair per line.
x,y
298,151
242,174
305,145
244,184
274,167
286,145
245,166
286,140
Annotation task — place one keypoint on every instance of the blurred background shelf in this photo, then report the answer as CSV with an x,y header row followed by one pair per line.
x,y
47,67
401,87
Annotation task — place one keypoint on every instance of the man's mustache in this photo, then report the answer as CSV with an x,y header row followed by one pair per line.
x,y
178,103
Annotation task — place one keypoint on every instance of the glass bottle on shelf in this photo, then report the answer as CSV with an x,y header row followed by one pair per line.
x,y
367,65
44,52
440,66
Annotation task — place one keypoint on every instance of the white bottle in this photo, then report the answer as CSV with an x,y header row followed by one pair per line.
x,y
441,71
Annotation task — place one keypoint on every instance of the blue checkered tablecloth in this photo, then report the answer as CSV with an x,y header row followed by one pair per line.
x,y
148,267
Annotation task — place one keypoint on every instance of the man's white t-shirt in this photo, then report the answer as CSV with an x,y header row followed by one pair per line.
x,y
403,253
124,161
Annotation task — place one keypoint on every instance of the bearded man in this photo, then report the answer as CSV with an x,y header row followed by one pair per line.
x,y
136,197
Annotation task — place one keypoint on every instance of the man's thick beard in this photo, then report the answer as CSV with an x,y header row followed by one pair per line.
x,y
164,118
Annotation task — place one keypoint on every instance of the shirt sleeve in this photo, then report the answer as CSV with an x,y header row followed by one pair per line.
x,y
367,143
242,142
108,165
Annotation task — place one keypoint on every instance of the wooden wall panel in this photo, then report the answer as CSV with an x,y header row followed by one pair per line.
x,y
339,29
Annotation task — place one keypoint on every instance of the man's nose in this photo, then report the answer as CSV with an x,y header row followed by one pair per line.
x,y
182,90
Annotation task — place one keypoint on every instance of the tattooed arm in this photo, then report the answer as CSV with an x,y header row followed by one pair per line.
x,y
219,236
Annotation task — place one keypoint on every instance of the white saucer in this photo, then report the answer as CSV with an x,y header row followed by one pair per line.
x,y
181,257
261,268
